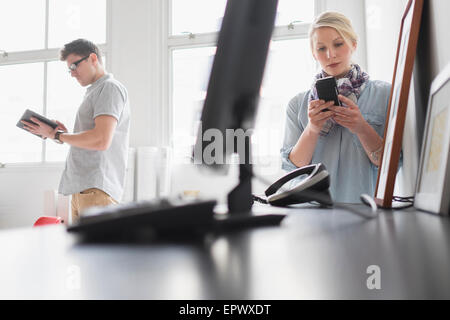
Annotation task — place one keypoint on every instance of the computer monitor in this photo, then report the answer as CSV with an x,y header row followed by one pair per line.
x,y
233,92
236,75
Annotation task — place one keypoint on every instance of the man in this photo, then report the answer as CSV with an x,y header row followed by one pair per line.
x,y
95,167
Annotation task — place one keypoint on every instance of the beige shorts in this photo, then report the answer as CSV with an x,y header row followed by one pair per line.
x,y
89,198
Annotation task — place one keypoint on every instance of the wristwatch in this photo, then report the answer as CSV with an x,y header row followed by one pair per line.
x,y
57,134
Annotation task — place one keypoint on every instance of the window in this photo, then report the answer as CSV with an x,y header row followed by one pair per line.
x,y
28,25
185,20
184,16
31,75
18,146
289,70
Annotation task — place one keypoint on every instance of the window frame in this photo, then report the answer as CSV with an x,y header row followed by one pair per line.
x,y
45,56
200,40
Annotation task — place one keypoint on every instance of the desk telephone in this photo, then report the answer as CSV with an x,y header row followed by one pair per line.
x,y
312,188
315,187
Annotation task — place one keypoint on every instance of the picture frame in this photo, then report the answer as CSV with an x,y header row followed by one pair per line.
x,y
398,103
433,179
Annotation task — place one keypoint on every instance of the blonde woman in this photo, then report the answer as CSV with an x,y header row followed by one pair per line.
x,y
347,139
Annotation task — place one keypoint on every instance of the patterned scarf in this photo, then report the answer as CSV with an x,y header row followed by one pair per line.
x,y
349,86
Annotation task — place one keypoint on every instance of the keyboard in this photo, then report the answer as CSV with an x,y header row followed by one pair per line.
x,y
161,219
145,220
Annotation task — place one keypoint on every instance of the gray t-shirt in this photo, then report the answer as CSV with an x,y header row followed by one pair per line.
x,y
104,170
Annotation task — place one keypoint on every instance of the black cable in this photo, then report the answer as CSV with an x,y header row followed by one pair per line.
x,y
403,199
408,200
259,199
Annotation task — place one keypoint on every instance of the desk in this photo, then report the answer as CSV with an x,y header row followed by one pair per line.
x,y
314,254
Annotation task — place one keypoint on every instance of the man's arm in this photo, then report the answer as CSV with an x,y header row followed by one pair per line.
x,y
98,138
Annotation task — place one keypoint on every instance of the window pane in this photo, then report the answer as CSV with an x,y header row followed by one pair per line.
x,y
197,16
64,95
22,88
188,17
294,10
189,93
290,69
22,25
73,19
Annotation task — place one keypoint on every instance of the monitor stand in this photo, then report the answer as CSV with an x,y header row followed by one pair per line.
x,y
240,203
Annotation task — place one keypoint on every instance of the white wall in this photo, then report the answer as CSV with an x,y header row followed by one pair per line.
x,y
135,44
439,35
22,193
354,10
383,19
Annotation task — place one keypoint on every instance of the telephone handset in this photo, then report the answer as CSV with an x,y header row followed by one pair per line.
x,y
312,188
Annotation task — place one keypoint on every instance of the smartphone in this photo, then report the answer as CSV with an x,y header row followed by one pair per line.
x,y
327,90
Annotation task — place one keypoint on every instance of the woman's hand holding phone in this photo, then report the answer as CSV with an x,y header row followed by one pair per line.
x,y
317,114
348,116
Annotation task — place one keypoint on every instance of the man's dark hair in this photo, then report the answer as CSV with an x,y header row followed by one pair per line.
x,y
80,47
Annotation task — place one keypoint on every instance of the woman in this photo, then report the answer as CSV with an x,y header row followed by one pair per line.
x,y
347,139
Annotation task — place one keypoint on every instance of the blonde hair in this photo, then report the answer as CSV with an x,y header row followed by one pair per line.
x,y
334,20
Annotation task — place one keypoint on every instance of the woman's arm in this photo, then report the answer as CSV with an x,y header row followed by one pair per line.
x,y
302,153
352,119
372,143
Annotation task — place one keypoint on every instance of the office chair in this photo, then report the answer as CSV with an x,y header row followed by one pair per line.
x,y
45,220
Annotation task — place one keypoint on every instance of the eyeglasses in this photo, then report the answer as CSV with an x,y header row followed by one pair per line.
x,y
74,65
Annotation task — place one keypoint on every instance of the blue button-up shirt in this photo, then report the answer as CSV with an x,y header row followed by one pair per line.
x,y
351,172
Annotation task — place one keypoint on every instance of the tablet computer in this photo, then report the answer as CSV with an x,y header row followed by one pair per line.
x,y
27,117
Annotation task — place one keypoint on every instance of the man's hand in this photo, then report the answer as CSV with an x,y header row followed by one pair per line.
x,y
40,128
61,127
349,117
